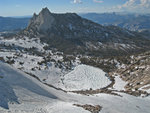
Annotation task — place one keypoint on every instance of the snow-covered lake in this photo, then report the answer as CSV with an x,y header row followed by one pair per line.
x,y
84,77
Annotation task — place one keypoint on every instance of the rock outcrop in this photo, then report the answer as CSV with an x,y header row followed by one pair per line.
x,y
42,22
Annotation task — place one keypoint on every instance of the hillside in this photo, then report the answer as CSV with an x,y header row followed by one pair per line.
x,y
72,34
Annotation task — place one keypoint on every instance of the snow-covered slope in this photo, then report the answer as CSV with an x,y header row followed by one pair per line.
x,y
20,93
15,84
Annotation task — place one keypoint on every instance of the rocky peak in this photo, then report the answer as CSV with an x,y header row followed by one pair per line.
x,y
45,12
43,21
35,15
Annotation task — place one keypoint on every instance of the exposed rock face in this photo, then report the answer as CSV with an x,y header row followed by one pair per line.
x,y
68,25
42,22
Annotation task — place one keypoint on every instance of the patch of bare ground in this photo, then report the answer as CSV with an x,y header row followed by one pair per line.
x,y
136,93
113,92
91,108
2,59
91,92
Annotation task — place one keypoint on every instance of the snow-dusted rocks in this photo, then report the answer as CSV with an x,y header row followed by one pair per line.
x,y
23,42
85,77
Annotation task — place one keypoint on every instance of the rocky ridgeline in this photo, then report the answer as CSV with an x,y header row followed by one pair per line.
x,y
71,33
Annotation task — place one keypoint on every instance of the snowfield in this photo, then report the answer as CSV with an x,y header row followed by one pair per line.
x,y
21,93
85,77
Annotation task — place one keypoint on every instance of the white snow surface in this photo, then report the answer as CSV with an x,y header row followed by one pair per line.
x,y
24,42
84,77
21,93
119,83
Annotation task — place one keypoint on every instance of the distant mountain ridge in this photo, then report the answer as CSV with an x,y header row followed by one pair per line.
x,y
133,22
71,33
12,23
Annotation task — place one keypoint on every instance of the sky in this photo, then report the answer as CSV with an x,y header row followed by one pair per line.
x,y
28,7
